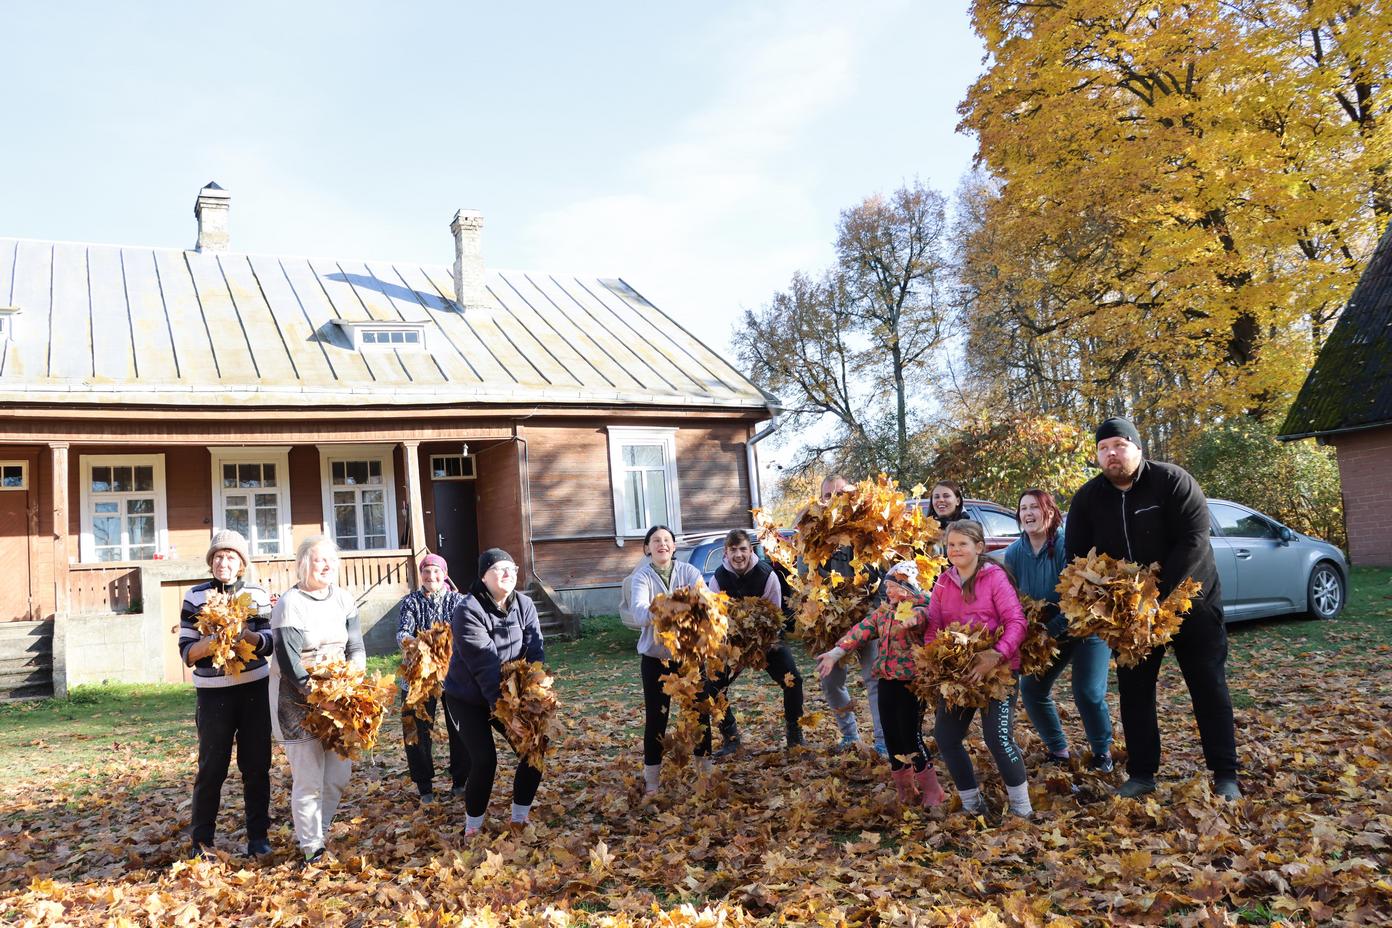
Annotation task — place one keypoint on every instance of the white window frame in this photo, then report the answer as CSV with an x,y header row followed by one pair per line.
x,y
383,453
356,330
467,463
24,476
278,455
621,436
87,545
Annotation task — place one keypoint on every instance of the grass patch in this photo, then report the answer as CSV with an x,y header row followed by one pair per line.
x,y
1365,623
84,725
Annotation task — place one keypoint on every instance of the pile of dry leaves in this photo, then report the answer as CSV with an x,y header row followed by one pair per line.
x,y
942,666
693,624
808,838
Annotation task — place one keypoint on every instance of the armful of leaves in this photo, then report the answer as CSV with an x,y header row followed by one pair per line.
x,y
941,668
1039,649
346,706
424,663
527,707
1119,601
224,618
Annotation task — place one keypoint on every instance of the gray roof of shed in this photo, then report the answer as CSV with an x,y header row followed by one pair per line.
x,y
1350,385
109,324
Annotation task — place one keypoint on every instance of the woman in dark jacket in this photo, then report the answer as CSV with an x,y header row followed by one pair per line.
x,y
495,624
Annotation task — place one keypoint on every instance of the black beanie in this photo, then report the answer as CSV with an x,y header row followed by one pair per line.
x,y
1118,427
493,556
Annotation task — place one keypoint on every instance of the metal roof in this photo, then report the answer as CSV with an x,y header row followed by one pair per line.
x,y
153,326
1350,386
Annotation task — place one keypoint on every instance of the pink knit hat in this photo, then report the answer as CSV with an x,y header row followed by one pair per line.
x,y
434,560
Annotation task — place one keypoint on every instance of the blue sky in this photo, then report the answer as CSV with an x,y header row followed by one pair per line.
x,y
701,154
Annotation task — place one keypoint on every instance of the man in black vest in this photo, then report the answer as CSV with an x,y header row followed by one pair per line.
x,y
1149,512
743,574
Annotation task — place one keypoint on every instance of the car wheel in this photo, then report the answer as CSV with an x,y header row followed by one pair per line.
x,y
1325,599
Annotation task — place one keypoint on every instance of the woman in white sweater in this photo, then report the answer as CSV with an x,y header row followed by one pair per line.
x,y
661,573
316,620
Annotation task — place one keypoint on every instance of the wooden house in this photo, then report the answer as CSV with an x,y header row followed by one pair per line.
x,y
1346,401
152,396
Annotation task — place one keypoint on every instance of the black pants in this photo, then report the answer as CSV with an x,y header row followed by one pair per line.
x,y
419,757
998,727
782,669
901,714
1201,647
240,713
657,707
476,725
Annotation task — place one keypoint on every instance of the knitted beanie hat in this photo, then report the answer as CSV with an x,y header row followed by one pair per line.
x,y
905,573
493,556
1118,427
434,560
228,540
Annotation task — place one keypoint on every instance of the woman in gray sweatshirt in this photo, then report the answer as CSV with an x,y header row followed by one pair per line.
x,y
316,620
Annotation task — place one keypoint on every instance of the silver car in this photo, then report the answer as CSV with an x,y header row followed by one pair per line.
x,y
1267,569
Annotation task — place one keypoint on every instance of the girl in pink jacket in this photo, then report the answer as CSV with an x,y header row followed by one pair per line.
x,y
976,591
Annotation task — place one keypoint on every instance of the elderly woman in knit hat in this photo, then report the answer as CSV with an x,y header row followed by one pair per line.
x,y
432,603
901,711
493,625
232,708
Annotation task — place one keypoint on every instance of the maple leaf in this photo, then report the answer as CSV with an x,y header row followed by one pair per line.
x,y
224,617
1119,601
424,664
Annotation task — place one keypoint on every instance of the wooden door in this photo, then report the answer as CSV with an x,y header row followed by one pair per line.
x,y
171,603
16,603
456,529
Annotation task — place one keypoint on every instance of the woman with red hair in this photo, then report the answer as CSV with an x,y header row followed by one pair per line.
x,y
1035,559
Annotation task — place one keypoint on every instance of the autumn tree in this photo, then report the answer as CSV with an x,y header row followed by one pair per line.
x,y
1179,197
998,457
855,344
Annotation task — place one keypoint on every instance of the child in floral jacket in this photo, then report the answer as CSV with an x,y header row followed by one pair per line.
x,y
901,712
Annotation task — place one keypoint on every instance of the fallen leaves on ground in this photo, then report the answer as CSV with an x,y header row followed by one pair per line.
x,y
809,838
424,663
346,706
942,666
1119,602
527,710
224,617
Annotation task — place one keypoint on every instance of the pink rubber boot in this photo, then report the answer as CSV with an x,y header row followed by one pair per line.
x,y
933,795
903,784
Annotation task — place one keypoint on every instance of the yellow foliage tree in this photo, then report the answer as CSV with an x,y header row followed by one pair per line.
x,y
1180,195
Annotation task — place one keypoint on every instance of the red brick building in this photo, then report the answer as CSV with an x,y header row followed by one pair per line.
x,y
1346,401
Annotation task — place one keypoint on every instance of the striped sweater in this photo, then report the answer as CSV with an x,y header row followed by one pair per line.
x,y
205,675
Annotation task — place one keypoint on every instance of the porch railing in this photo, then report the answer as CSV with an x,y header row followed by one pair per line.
x,y
98,588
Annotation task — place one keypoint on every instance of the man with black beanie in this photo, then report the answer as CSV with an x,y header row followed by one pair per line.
x,y
1149,512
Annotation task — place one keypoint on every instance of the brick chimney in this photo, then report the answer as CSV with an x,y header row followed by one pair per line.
x,y
210,209
467,227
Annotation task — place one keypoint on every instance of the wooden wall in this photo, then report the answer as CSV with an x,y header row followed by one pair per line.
x,y
500,518
573,504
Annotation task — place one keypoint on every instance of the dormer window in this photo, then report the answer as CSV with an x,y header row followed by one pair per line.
x,y
8,318
370,335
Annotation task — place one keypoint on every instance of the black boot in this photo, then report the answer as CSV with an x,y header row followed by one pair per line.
x,y
795,734
729,739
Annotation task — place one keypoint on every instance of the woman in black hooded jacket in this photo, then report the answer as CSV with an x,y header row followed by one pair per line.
x,y
495,624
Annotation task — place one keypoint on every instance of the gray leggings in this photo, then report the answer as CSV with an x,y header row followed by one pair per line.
x,y
997,724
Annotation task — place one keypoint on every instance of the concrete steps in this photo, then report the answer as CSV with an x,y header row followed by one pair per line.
x,y
26,660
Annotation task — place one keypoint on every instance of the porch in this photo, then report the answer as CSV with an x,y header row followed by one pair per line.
x,y
112,535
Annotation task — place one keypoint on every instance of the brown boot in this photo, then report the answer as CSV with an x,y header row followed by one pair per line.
x,y
903,784
933,795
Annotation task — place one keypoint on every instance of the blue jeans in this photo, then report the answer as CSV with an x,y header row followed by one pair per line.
x,y
839,697
1089,657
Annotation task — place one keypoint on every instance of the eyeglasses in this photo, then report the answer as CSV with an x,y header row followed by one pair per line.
x,y
504,568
